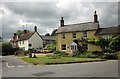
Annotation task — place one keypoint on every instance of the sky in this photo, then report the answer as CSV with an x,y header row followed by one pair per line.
x,y
46,15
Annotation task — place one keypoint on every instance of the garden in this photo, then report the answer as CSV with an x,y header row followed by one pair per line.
x,y
60,57
110,50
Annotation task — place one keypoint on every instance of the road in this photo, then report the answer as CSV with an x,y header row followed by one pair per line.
x,y
18,68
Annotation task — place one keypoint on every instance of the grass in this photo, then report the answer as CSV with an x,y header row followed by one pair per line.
x,y
62,60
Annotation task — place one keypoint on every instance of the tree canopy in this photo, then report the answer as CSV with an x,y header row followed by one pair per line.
x,y
53,32
19,32
115,44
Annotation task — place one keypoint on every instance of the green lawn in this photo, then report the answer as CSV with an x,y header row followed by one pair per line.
x,y
62,60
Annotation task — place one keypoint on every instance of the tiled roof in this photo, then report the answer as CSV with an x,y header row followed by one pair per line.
x,y
48,37
14,40
26,36
78,27
107,31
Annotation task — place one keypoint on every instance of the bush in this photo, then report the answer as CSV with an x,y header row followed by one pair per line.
x,y
118,55
59,52
115,44
97,53
7,48
51,47
110,56
21,52
88,54
76,54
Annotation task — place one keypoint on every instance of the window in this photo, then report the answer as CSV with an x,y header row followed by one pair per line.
x,y
20,42
74,35
73,47
107,37
85,47
63,47
63,36
84,34
23,42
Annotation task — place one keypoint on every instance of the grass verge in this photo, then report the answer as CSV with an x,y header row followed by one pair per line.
x,y
63,60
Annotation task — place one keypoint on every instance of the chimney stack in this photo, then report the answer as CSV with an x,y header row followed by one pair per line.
x,y
35,28
61,22
95,17
25,31
15,34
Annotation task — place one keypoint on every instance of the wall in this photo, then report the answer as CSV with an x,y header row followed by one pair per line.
x,y
25,45
68,39
36,41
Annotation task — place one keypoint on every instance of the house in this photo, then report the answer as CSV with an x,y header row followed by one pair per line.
x,y
27,39
108,32
66,34
47,40
14,41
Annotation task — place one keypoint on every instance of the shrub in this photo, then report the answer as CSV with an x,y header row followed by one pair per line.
x,y
21,52
89,54
59,52
51,47
56,52
97,53
76,54
115,44
118,55
7,48
110,56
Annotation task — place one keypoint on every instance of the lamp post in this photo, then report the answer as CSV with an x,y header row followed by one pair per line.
x,y
30,50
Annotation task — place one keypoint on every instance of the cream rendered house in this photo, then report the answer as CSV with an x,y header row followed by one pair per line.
x,y
30,38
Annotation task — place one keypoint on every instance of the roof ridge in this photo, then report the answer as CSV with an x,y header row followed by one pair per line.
x,y
78,23
110,27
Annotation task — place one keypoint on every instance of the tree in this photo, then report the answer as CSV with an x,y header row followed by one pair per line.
x,y
99,42
51,47
7,48
102,43
19,32
53,32
115,44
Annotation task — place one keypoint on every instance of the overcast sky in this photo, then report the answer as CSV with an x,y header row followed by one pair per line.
x,y
46,15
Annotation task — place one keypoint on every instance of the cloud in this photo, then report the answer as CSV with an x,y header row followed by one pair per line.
x,y
46,15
